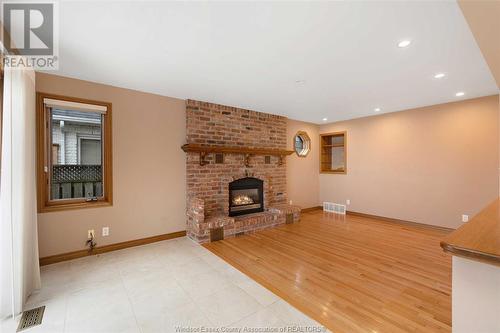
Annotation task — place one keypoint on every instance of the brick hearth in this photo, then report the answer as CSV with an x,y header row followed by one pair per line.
x,y
207,186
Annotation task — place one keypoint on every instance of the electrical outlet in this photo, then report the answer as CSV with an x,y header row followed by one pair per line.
x,y
105,231
348,202
291,202
90,233
465,218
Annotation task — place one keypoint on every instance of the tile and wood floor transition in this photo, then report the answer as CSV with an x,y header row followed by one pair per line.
x,y
352,274
154,288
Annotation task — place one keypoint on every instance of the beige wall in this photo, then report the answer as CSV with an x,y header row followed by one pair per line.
x,y
302,172
148,170
483,17
427,165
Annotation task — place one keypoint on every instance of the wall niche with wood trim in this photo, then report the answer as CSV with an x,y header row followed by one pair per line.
x,y
333,157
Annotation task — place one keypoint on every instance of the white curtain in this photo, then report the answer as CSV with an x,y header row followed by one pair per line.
x,y
19,269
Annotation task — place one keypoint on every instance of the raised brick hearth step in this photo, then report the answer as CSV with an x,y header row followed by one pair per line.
x,y
286,209
231,226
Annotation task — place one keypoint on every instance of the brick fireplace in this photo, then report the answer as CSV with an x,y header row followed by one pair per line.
x,y
210,207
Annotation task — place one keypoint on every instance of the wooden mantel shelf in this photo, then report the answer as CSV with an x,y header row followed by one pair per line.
x,y
188,148
478,239
203,150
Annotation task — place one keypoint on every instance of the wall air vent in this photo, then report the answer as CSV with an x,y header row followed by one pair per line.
x,y
334,208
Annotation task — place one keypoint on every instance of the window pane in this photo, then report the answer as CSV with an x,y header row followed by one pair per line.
x,y
77,161
299,144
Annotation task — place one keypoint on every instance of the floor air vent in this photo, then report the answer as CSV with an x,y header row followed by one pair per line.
x,y
334,208
31,318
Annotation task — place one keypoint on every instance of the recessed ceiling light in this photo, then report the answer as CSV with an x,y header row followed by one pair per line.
x,y
439,75
325,119
404,43
376,109
459,94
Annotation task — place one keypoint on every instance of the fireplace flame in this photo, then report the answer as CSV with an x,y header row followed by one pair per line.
x,y
242,200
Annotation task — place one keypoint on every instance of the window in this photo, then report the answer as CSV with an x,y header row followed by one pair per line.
x,y
74,153
299,143
302,144
333,158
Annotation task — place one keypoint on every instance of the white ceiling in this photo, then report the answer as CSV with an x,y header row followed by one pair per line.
x,y
250,54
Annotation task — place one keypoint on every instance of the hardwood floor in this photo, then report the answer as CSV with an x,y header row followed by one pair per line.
x,y
352,273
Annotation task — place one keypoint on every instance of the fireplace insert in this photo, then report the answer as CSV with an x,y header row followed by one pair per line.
x,y
246,196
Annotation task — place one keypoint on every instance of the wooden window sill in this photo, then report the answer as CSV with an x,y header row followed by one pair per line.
x,y
334,172
74,205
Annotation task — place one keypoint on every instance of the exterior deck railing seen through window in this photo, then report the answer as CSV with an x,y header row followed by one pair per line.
x,y
76,181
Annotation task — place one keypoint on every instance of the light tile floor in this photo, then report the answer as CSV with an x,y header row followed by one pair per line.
x,y
159,287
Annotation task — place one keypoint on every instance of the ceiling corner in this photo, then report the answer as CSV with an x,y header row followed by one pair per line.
x,y
483,18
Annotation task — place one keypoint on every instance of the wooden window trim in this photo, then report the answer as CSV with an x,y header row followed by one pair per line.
x,y
306,140
344,133
43,183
